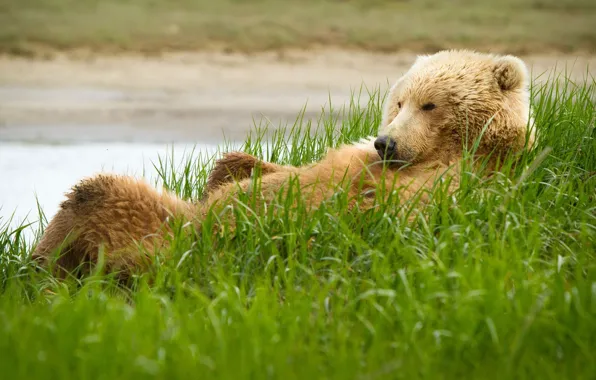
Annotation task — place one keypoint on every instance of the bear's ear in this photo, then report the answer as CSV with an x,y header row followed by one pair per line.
x,y
510,72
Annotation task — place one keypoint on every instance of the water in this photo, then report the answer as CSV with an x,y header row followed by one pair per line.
x,y
31,173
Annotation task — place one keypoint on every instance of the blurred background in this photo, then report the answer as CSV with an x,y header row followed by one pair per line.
x,y
92,85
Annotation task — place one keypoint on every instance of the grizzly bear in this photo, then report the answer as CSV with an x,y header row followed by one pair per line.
x,y
443,104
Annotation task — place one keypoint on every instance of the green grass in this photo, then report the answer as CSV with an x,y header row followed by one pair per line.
x,y
34,27
496,282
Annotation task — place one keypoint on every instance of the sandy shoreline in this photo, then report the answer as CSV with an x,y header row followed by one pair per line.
x,y
191,96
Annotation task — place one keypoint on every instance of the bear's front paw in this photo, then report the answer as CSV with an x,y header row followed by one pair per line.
x,y
232,166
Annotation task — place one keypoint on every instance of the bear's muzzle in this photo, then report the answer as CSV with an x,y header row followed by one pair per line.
x,y
386,147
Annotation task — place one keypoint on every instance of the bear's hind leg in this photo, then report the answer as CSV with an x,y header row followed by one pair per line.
x,y
110,213
58,248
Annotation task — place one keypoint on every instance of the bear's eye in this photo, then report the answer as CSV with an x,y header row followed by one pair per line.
x,y
428,107
398,104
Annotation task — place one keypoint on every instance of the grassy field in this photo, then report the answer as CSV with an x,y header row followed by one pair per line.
x,y
498,281
31,27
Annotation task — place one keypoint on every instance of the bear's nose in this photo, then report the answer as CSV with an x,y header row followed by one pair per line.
x,y
386,147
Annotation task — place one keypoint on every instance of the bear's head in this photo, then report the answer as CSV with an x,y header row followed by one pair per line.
x,y
448,100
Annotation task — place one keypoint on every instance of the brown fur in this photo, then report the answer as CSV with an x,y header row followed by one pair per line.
x,y
120,213
236,166
110,213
